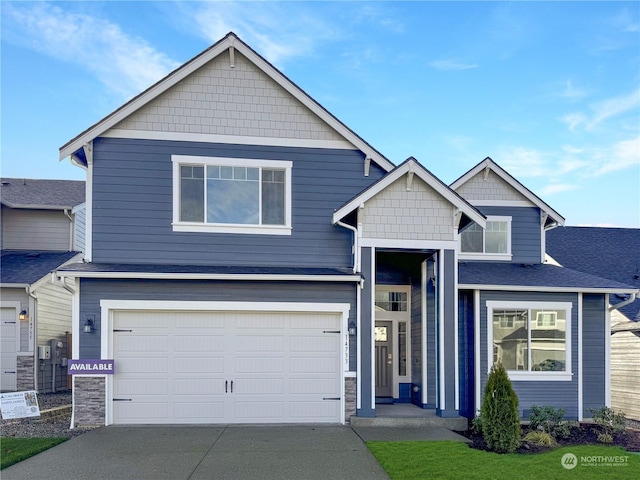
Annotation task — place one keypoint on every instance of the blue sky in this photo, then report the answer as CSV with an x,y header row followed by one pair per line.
x,y
548,90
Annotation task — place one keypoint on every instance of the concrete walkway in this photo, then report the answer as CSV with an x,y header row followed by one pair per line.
x,y
219,452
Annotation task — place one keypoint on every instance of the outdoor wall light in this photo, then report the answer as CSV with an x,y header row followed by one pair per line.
x,y
23,315
89,324
352,329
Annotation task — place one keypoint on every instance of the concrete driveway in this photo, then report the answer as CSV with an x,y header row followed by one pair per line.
x,y
203,452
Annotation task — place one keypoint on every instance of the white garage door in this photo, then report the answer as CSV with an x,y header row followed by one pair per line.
x,y
8,349
226,367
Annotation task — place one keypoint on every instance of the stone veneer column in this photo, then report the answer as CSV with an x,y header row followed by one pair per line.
x,y
89,406
350,384
25,380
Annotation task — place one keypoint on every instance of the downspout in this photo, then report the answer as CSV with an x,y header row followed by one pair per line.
x,y
628,301
66,212
35,338
356,249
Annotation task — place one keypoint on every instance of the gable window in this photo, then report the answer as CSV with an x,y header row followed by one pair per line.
x,y
531,340
493,243
230,195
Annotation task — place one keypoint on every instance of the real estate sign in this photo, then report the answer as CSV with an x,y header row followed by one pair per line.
x,y
19,404
84,367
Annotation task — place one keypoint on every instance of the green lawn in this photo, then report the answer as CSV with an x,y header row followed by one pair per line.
x,y
14,450
456,460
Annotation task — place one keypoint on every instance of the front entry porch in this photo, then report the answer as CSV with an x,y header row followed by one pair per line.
x,y
408,415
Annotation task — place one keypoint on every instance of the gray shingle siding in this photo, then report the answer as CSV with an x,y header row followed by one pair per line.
x,y
94,290
526,241
559,394
132,210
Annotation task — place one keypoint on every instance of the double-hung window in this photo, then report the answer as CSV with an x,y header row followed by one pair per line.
x,y
531,340
492,243
230,195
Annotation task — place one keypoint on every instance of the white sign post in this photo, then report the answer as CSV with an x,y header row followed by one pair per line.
x,y
19,405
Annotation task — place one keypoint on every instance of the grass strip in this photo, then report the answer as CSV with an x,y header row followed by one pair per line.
x,y
454,460
14,450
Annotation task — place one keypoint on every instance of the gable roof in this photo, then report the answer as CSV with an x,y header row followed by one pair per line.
x,y
612,253
26,267
230,41
41,194
411,166
488,163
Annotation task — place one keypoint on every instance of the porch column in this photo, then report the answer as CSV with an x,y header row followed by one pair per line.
x,y
365,333
447,322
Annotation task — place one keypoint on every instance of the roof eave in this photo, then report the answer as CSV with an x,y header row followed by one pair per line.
x,y
538,288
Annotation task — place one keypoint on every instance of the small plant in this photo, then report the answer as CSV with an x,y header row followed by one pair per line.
x,y
476,425
500,417
540,439
610,423
550,420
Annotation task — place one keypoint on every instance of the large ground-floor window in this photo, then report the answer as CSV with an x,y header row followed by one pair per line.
x,y
531,339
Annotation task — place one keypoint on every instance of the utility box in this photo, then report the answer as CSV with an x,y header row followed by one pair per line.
x,y
44,352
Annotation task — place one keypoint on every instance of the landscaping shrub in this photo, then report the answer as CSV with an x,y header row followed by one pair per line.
x,y
540,439
550,420
476,425
609,422
500,417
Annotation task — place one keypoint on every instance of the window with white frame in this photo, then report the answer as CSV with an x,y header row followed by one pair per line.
x,y
531,340
230,195
494,241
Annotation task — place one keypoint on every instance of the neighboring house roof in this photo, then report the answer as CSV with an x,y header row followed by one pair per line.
x,y
534,277
41,194
612,253
230,43
26,267
488,163
413,167
111,270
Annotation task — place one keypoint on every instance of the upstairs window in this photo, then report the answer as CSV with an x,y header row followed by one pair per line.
x,y
227,195
494,242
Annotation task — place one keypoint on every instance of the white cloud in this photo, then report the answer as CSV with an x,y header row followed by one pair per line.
x,y
554,188
523,162
620,156
451,64
124,63
613,107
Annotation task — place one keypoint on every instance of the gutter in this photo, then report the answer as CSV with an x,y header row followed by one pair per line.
x,y
628,301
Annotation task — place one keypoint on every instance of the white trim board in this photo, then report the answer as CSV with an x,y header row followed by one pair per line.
x,y
212,276
533,288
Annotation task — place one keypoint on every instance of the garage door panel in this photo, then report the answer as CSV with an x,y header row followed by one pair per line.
x,y
199,386
198,343
319,386
141,343
260,343
281,364
259,365
141,386
199,364
310,344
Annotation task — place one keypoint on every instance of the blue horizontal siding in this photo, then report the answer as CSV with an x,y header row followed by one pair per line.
x,y
526,239
594,330
94,290
559,394
132,206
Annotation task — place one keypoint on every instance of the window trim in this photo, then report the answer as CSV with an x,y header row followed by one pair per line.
x,y
516,375
489,256
203,227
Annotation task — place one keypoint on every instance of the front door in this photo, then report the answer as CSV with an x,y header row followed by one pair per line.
x,y
384,359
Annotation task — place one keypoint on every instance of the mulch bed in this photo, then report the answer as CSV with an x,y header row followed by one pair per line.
x,y
584,434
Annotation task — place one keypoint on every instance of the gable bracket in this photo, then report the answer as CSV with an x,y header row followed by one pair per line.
x,y
486,173
543,219
457,216
410,174
367,165
88,152
232,54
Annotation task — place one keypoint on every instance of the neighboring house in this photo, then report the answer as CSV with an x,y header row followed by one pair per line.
x,y
610,253
41,229
250,259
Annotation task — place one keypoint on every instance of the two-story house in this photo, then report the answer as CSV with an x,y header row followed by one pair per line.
x,y
250,259
41,228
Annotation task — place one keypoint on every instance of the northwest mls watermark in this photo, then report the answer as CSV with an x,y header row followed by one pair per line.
x,y
571,461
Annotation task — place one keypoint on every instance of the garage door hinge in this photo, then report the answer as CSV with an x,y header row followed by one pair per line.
x,y
121,399
331,398
123,330
331,331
